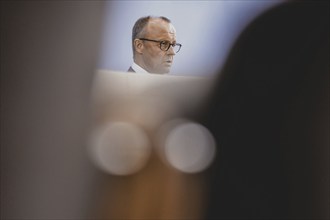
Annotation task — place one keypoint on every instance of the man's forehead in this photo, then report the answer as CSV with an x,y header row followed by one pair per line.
x,y
159,25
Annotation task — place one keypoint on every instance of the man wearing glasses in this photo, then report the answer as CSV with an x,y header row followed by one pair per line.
x,y
154,45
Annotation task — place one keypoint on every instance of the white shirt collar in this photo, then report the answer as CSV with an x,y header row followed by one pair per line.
x,y
138,69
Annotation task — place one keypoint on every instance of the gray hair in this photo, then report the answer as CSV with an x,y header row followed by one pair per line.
x,y
140,24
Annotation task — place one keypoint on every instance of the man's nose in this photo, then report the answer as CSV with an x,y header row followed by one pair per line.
x,y
171,51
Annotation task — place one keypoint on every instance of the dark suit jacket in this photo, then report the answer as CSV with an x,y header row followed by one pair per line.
x,y
130,70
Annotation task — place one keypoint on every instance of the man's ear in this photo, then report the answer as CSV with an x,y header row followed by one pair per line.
x,y
138,45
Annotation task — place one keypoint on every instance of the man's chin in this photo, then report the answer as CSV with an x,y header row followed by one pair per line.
x,y
164,71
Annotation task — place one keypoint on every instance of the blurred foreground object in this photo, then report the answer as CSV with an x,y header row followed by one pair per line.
x,y
49,50
151,154
270,116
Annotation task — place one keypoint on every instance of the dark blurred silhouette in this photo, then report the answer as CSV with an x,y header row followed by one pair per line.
x,y
270,116
49,51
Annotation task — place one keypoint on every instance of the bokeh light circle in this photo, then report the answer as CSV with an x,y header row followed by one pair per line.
x,y
120,148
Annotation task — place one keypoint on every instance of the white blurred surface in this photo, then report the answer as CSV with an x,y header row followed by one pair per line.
x,y
131,110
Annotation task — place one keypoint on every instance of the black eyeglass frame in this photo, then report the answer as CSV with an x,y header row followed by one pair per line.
x,y
162,42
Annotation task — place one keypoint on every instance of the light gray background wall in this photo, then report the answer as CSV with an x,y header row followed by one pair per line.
x,y
207,30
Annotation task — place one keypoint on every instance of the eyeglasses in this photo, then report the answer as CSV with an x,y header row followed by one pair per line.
x,y
165,45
